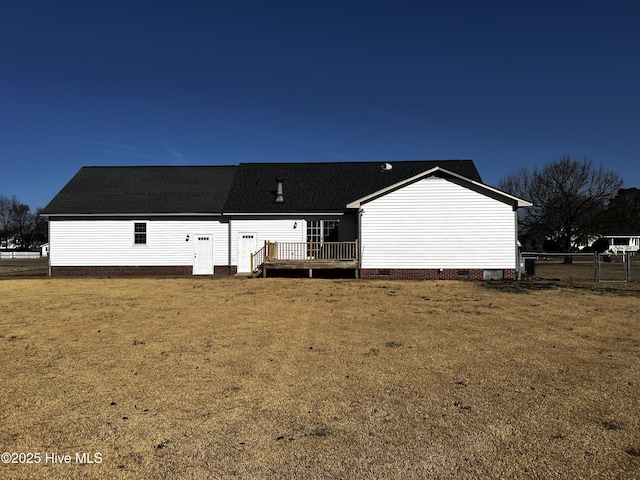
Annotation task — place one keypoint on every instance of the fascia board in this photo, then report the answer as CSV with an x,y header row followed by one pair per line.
x,y
379,193
96,215
226,214
280,214
519,201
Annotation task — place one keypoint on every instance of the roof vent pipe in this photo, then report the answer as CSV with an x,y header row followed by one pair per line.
x,y
279,194
385,167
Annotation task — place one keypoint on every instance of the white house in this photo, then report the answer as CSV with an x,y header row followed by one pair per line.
x,y
404,219
623,243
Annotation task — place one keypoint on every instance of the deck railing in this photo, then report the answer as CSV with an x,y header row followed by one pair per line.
x,y
305,252
257,259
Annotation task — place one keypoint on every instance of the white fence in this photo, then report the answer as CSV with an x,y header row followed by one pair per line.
x,y
19,255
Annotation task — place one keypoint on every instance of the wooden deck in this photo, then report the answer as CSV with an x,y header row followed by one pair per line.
x,y
304,256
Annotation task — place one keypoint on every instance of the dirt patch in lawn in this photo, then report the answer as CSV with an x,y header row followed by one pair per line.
x,y
297,378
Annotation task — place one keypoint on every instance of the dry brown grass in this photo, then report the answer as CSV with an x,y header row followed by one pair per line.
x,y
20,268
295,378
583,269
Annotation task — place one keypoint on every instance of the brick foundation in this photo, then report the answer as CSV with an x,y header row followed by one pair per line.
x,y
225,270
430,274
230,270
137,271
511,274
121,271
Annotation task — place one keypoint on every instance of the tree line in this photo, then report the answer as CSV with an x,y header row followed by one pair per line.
x,y
574,202
19,225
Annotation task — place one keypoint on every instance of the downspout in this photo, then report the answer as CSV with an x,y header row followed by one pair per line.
x,y
515,215
360,212
49,242
229,247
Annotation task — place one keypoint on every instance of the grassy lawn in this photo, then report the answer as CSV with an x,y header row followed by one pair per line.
x,y
583,269
298,378
20,268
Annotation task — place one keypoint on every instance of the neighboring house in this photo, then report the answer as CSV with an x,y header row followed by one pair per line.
x,y
619,244
405,219
10,243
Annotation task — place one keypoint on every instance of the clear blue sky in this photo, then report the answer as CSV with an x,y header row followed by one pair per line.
x,y
509,84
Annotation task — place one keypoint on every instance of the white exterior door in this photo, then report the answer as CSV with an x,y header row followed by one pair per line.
x,y
203,255
247,244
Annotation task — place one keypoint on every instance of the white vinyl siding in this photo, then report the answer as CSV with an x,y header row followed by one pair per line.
x,y
436,223
112,242
271,229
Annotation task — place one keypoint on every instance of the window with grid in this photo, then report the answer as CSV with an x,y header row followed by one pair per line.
x,y
140,233
320,231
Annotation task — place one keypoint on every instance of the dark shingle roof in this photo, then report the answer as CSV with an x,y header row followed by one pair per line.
x,y
323,187
142,190
247,188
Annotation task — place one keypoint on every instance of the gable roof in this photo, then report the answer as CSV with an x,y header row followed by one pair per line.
x,y
323,187
479,186
242,189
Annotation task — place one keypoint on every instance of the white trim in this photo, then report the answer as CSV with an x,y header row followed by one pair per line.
x,y
519,201
98,215
634,235
144,244
358,203
280,214
226,214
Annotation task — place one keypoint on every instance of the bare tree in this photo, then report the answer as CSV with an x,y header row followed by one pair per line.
x,y
623,214
569,197
4,218
17,221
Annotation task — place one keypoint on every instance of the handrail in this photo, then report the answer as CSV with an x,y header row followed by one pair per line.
x,y
304,252
310,251
257,259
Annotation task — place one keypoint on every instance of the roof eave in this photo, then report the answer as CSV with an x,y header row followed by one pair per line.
x,y
137,214
282,214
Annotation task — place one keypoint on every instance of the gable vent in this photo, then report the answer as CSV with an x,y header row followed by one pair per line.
x,y
386,167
